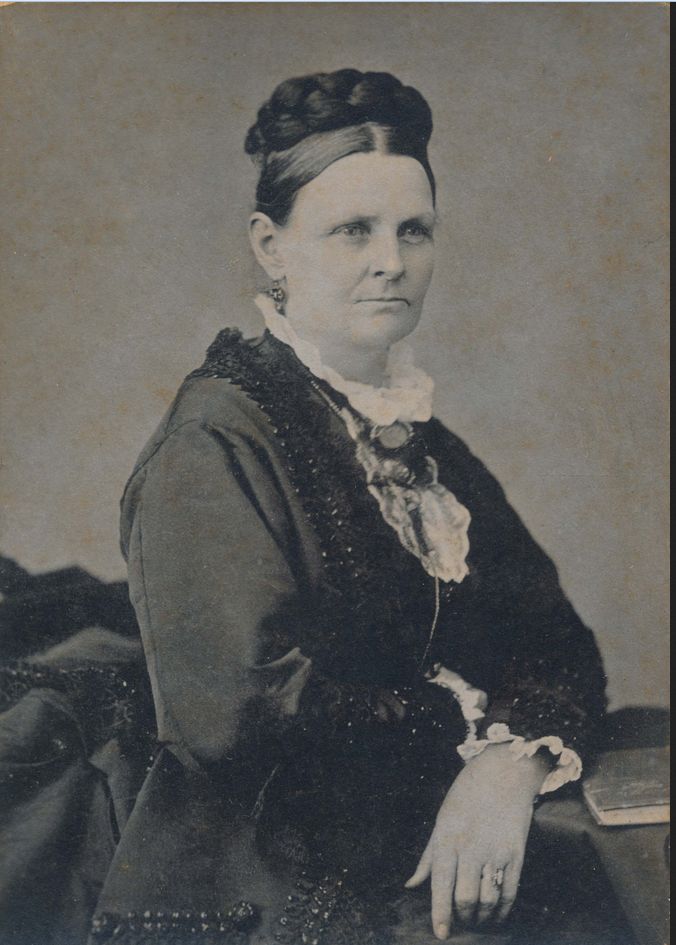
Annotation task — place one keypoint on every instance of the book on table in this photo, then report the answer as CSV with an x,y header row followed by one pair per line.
x,y
629,787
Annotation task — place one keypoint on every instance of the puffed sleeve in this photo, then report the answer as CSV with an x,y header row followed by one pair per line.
x,y
207,535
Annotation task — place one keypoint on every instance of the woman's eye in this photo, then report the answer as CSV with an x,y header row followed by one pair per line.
x,y
353,231
415,233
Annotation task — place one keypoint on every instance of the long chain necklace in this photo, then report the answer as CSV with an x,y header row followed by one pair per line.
x,y
390,438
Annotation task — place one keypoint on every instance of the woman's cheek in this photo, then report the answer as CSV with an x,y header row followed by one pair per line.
x,y
419,281
343,268
422,263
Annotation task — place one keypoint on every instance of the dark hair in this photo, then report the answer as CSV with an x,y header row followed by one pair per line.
x,y
310,122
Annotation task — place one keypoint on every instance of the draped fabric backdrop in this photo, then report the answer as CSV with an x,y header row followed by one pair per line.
x,y
125,199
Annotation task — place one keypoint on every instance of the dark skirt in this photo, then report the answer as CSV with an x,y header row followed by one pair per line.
x,y
131,839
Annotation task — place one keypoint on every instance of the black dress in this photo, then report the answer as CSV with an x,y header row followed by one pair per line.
x,y
280,802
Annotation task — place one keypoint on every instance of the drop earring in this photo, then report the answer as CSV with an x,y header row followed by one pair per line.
x,y
278,295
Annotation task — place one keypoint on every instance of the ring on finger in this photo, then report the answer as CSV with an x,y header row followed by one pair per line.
x,y
495,876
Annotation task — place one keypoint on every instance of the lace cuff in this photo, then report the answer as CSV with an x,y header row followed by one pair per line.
x,y
472,703
568,763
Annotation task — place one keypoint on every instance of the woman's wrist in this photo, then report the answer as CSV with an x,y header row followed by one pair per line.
x,y
499,763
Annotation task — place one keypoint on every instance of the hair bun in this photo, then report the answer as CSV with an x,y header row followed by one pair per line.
x,y
326,101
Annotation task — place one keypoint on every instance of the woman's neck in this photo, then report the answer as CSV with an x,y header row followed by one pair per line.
x,y
365,365
353,362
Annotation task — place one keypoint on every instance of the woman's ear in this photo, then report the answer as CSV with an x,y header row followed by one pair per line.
x,y
264,237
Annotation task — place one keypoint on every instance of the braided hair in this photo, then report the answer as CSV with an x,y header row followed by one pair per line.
x,y
312,121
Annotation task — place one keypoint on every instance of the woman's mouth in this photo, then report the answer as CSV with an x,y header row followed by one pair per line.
x,y
387,300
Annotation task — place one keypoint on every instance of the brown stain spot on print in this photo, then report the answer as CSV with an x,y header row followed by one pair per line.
x,y
164,394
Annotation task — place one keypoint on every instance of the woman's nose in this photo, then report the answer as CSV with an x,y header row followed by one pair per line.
x,y
387,260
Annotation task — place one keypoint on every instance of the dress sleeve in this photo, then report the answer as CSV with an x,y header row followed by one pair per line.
x,y
553,683
221,578
206,541
548,680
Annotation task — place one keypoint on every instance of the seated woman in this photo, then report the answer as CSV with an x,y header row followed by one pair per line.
x,y
364,670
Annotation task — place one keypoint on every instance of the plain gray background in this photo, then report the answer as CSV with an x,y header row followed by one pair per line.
x,y
126,194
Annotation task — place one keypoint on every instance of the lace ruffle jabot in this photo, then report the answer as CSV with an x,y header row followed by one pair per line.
x,y
428,519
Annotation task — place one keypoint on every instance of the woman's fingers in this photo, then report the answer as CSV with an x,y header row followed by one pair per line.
x,y
490,891
510,887
467,883
443,880
422,870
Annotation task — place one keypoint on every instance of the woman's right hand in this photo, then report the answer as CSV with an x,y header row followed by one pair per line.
x,y
476,850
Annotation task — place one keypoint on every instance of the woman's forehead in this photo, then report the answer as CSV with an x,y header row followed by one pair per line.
x,y
368,184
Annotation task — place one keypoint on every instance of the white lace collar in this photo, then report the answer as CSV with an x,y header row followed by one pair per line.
x,y
408,398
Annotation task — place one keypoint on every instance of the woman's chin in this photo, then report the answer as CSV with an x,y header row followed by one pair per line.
x,y
384,329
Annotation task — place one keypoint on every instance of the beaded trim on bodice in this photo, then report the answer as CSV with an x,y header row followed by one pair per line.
x,y
365,569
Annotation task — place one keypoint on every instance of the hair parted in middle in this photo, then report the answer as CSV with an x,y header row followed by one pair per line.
x,y
312,121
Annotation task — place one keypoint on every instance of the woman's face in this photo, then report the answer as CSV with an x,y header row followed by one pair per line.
x,y
357,252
